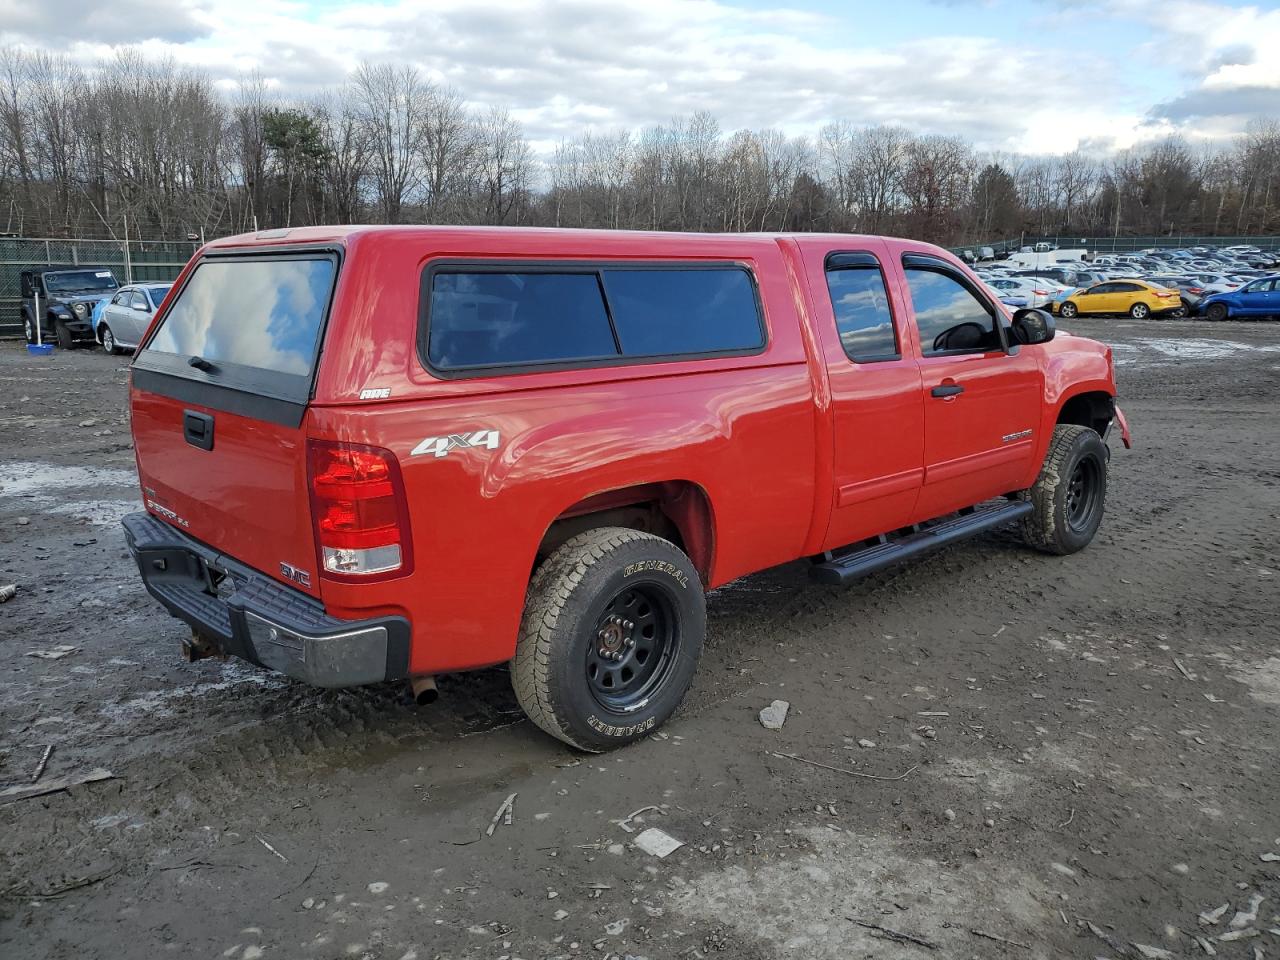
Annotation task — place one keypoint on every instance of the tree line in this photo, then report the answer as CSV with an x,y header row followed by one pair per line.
x,y
159,150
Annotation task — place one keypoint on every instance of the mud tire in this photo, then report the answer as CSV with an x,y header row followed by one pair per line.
x,y
1075,452
567,596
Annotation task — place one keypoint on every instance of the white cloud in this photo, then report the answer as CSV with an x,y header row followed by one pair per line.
x,y
563,65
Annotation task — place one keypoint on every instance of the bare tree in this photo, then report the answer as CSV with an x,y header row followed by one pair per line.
x,y
393,103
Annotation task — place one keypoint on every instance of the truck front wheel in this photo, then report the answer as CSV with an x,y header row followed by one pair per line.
x,y
612,631
1070,494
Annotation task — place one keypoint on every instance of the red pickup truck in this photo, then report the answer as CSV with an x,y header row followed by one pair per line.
x,y
370,454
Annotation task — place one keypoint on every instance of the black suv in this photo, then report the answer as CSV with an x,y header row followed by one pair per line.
x,y
63,297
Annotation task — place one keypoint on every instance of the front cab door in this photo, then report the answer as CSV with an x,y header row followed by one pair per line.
x,y
982,397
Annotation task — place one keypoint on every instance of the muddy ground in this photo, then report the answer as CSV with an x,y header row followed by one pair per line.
x,y
1081,753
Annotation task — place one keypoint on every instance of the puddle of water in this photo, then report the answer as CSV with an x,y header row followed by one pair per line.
x,y
18,479
33,482
1156,351
159,701
100,513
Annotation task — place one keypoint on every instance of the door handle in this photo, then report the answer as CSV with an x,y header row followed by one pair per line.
x,y
197,429
947,390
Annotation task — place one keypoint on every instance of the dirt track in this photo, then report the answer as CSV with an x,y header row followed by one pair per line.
x,y
1063,767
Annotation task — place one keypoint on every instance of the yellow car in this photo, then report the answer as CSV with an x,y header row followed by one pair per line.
x,y
1137,298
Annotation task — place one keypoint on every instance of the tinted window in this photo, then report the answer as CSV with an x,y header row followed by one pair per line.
x,y
498,319
158,294
662,312
489,318
1124,288
862,313
264,314
948,315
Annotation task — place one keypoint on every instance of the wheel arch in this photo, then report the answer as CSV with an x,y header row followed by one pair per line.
x,y
1088,408
677,510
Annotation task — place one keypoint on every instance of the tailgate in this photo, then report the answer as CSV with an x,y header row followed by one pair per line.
x,y
219,397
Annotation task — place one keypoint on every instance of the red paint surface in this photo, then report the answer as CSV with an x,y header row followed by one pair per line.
x,y
778,456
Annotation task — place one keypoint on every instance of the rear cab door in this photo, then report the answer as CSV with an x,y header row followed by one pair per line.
x,y
221,387
982,397
877,411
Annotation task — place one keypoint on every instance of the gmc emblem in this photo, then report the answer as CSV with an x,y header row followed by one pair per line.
x,y
290,572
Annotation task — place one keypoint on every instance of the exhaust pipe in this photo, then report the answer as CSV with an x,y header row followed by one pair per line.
x,y
424,690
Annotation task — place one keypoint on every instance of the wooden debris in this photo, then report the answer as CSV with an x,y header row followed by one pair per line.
x,y
999,939
504,814
54,786
895,935
44,762
847,773
259,838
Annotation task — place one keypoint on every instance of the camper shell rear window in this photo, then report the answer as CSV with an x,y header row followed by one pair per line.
x,y
479,318
247,323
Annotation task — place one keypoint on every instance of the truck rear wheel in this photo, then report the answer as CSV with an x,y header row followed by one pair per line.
x,y
1070,494
612,631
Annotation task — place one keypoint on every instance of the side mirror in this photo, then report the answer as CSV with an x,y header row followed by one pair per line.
x,y
1032,326
142,308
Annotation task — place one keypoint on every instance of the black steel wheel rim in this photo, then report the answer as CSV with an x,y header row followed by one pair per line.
x,y
1084,493
632,647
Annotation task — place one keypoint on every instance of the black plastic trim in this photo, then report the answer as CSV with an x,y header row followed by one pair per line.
x,y
181,583
596,267
286,413
845,569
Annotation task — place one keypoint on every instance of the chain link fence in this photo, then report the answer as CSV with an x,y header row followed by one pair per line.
x,y
1106,245
139,261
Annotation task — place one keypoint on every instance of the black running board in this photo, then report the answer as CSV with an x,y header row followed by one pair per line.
x,y
849,567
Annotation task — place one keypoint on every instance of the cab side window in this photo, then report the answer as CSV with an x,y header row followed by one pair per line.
x,y
861,305
951,318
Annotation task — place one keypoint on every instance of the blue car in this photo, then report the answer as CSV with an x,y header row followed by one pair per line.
x,y
1256,299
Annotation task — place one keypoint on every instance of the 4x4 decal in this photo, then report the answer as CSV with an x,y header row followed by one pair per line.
x,y
439,446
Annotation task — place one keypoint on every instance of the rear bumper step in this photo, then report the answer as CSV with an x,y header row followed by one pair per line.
x,y
251,616
859,563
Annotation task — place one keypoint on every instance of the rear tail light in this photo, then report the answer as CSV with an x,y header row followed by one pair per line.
x,y
1166,294
359,509
1195,289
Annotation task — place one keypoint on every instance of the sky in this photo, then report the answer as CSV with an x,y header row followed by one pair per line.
x,y
1023,76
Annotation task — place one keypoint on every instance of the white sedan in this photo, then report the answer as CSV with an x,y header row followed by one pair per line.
x,y
125,319
1037,291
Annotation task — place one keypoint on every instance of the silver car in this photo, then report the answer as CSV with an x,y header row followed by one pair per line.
x,y
127,315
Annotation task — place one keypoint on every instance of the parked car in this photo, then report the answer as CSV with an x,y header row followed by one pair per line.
x,y
1190,292
1256,299
542,446
62,298
1137,298
127,315
1035,292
